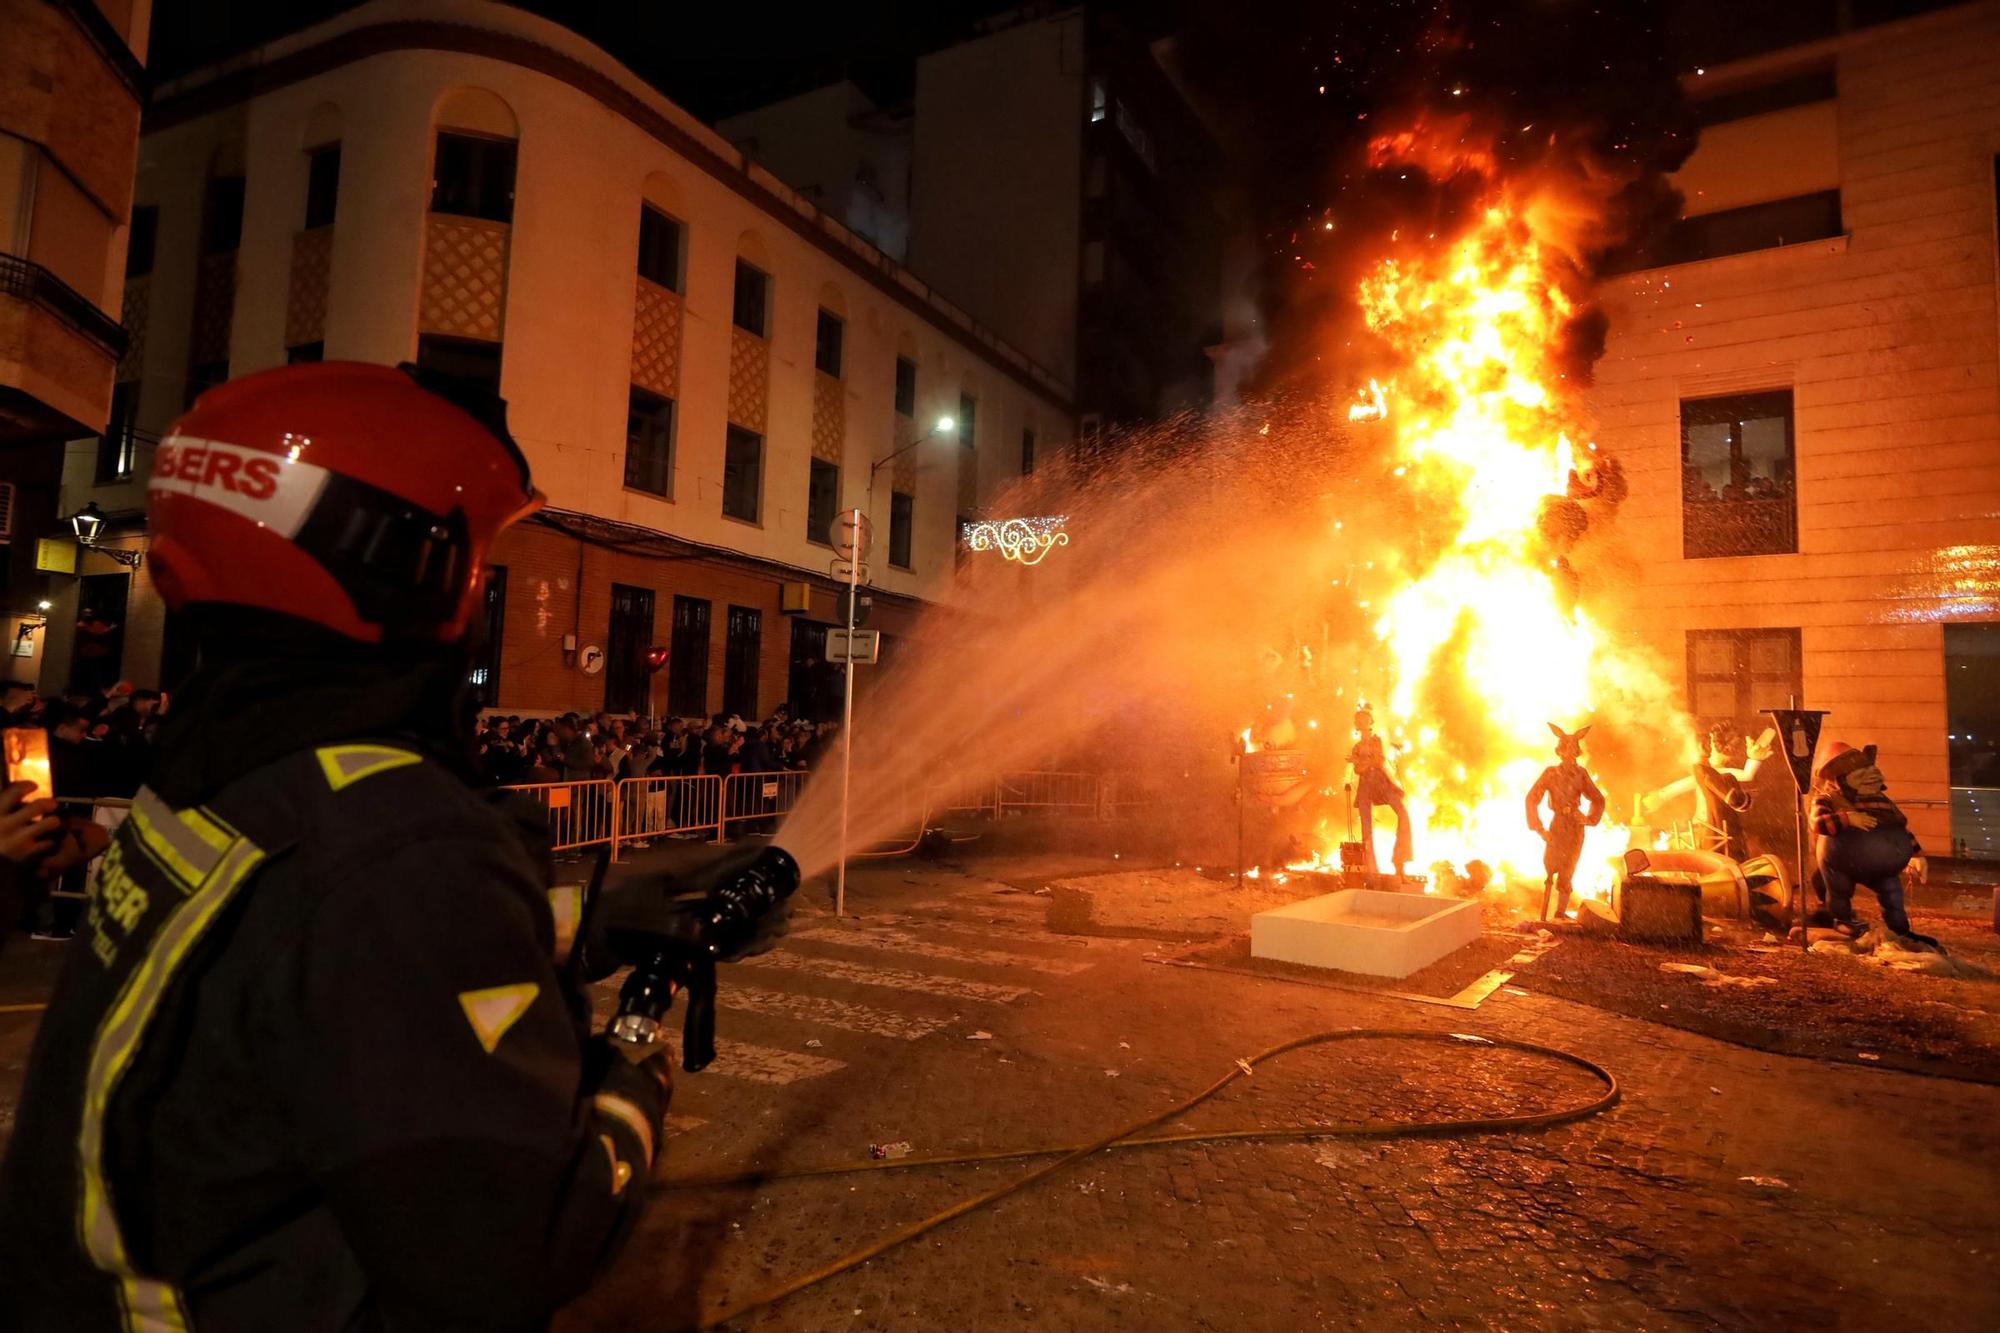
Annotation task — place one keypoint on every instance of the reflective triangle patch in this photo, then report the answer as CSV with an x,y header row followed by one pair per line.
x,y
345,765
495,1009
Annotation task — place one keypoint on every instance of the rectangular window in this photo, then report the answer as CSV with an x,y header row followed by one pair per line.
x,y
139,244
468,359
305,353
902,522
826,343
968,418
117,449
473,177
743,474
822,500
322,185
739,664
627,682
906,387
1027,453
961,548
1794,90
1735,673
1738,476
660,248
687,666
222,215
1735,231
485,677
1100,100
753,291
649,443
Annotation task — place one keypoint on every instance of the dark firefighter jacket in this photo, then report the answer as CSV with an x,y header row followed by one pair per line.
x,y
311,1065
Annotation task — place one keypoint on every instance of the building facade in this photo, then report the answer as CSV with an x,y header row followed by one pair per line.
x,y
701,366
70,78
1057,185
1803,386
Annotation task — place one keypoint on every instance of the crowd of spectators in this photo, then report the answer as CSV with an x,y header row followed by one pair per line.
x,y
100,741
516,751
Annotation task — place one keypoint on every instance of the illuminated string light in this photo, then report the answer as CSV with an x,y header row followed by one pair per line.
x,y
1025,541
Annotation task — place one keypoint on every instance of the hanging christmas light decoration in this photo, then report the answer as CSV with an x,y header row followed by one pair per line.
x,y
1023,540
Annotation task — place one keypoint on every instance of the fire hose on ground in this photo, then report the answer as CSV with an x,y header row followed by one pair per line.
x,y
1137,1135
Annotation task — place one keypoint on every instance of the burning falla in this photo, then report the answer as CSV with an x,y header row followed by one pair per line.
x,y
1480,330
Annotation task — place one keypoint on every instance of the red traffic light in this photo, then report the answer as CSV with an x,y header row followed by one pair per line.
x,y
656,657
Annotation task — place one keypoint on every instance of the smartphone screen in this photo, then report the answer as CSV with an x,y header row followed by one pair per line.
x,y
27,754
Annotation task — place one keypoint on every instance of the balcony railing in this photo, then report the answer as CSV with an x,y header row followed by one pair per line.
x,y
28,281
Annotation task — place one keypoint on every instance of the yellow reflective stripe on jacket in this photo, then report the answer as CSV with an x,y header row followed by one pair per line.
x,y
345,765
150,1305
186,843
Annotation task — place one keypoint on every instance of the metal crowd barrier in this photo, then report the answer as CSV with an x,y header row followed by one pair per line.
x,y
755,797
1058,793
660,807
580,814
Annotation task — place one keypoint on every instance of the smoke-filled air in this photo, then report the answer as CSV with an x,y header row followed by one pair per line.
x,y
1422,527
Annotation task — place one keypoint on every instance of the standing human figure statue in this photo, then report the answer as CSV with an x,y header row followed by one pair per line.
x,y
1372,787
1863,838
1566,787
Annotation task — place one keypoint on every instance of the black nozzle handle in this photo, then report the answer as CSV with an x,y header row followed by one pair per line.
x,y
698,1027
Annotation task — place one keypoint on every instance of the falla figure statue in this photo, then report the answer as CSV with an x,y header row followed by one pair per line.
x,y
1566,787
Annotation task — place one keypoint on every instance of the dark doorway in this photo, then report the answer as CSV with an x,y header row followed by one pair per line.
x,y
817,687
739,665
625,675
99,650
687,668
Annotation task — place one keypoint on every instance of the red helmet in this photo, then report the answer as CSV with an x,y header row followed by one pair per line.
x,y
358,497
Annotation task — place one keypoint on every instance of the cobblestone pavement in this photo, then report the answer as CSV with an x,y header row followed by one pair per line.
x,y
1730,1189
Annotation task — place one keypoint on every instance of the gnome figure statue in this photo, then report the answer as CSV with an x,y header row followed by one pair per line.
x,y
1575,804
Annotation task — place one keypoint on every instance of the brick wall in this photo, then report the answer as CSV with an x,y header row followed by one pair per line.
x,y
545,570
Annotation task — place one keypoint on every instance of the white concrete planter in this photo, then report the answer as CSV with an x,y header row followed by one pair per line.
x,y
1366,930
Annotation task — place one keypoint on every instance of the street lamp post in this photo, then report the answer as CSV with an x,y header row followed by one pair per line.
x,y
945,426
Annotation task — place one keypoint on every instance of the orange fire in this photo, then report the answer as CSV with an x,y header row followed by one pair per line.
x,y
1481,640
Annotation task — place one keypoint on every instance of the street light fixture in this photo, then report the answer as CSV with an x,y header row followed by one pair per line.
x,y
88,523
945,426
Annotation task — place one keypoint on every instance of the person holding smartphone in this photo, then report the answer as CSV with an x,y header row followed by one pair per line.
x,y
37,846
313,1062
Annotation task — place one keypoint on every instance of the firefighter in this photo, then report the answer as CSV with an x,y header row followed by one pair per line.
x,y
312,1063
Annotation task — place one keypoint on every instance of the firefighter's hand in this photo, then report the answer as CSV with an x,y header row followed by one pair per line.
x,y
27,829
1920,869
1858,819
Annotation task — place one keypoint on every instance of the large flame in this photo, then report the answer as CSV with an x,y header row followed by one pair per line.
x,y
1482,640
